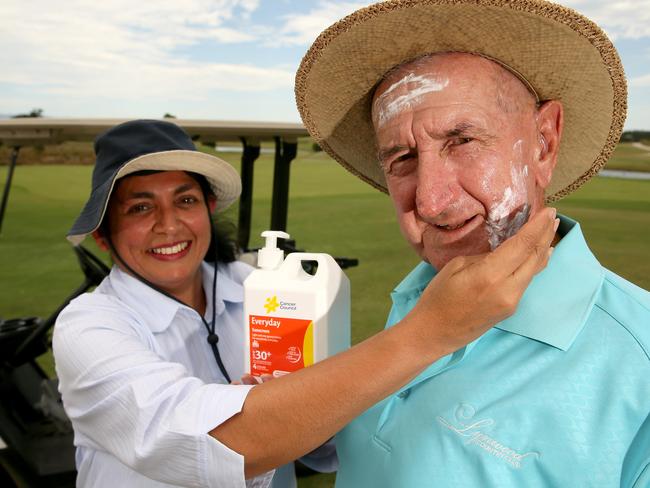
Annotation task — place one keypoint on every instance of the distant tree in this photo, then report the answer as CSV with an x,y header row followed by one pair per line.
x,y
168,116
315,147
35,113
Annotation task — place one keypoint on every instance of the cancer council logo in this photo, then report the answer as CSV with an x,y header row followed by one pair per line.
x,y
271,304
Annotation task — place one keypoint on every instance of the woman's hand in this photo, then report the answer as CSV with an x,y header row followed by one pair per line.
x,y
472,293
249,379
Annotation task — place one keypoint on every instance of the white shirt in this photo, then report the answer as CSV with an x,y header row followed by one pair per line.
x,y
141,385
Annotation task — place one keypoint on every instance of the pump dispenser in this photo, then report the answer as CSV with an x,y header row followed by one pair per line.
x,y
271,256
293,318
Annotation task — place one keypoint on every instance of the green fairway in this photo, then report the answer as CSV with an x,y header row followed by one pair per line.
x,y
630,156
330,211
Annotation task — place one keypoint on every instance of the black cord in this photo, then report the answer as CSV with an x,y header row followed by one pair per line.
x,y
213,338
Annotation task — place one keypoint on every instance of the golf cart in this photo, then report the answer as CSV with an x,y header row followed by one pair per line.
x,y
36,439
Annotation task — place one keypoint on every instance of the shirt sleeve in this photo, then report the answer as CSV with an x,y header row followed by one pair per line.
x,y
636,465
149,413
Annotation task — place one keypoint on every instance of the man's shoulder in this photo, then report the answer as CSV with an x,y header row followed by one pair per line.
x,y
628,305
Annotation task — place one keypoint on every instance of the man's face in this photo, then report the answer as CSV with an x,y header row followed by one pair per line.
x,y
460,144
159,226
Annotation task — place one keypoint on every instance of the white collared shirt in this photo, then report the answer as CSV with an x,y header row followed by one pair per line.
x,y
142,387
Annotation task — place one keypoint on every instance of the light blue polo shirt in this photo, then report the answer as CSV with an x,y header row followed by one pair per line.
x,y
557,395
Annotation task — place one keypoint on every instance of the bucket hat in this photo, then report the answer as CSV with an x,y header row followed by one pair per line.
x,y
140,145
557,52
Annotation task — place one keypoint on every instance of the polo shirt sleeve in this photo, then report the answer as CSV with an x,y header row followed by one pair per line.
x,y
149,413
636,466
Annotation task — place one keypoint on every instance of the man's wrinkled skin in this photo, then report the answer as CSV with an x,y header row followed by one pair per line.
x,y
466,150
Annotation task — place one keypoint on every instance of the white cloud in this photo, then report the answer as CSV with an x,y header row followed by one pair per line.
x,y
126,49
619,18
643,80
302,29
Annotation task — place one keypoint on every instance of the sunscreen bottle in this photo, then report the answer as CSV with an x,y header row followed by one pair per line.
x,y
293,319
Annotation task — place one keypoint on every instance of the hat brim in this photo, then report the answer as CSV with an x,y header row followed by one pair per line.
x,y
563,56
222,177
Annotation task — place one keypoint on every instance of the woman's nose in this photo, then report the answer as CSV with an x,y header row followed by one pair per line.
x,y
166,220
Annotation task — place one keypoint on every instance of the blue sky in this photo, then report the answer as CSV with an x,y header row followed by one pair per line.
x,y
210,59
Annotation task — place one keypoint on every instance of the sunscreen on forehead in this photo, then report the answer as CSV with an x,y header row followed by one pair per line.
x,y
293,318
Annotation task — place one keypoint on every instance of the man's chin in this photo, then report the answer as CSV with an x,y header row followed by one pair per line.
x,y
438,254
438,258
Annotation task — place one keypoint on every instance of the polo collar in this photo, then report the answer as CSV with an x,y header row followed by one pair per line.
x,y
556,304
158,310
558,301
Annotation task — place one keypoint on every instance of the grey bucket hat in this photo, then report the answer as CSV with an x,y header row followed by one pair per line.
x,y
140,145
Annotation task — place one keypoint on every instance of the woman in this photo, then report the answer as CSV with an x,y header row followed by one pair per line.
x,y
145,360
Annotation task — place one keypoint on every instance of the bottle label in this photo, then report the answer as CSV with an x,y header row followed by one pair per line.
x,y
280,345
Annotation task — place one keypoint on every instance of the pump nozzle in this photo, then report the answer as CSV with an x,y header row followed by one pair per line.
x,y
270,256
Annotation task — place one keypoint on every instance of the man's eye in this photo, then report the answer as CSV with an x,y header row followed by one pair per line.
x,y
402,165
462,140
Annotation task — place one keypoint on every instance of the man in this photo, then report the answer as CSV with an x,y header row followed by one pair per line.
x,y
458,111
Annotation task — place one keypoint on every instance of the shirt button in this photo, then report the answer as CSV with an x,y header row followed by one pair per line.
x,y
403,394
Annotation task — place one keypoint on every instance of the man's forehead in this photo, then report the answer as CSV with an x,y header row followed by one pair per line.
x,y
470,75
454,65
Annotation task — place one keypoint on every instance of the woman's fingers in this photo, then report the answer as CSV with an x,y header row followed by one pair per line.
x,y
249,379
536,261
532,240
472,293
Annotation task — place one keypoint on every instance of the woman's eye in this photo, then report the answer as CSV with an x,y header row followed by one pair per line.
x,y
138,208
188,200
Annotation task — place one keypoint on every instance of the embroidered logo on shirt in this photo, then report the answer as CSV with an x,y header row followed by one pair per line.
x,y
470,429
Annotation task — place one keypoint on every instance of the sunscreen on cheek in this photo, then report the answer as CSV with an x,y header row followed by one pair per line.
x,y
294,319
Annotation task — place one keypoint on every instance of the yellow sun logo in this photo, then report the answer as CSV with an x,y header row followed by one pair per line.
x,y
271,304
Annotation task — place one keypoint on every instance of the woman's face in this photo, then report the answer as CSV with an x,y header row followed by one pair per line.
x,y
160,227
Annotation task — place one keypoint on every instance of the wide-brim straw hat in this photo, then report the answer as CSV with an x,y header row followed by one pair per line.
x,y
154,145
560,53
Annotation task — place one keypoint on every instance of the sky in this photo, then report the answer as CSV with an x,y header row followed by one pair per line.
x,y
211,59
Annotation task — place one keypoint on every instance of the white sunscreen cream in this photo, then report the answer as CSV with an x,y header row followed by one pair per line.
x,y
387,105
513,210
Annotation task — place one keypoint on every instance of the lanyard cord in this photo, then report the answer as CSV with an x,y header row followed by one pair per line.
x,y
213,338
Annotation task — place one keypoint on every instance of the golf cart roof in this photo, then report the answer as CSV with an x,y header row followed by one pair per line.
x,y
42,131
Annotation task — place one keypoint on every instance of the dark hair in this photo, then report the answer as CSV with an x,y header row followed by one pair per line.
x,y
223,245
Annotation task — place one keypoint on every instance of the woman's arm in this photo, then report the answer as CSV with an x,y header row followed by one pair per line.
x,y
285,418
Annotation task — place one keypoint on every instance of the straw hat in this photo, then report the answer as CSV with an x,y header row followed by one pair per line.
x,y
560,53
140,145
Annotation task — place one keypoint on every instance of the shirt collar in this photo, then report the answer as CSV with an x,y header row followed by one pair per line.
x,y
558,301
159,310
556,304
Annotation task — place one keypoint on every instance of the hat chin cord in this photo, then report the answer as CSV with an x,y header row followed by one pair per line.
x,y
212,338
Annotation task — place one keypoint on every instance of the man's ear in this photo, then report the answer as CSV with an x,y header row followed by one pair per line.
x,y
100,241
550,122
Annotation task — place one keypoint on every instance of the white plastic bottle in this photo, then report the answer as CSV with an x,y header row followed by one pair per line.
x,y
293,319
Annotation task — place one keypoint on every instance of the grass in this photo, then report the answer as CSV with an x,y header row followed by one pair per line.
x,y
329,211
629,157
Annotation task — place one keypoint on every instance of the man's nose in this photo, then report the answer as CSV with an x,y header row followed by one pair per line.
x,y
437,186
